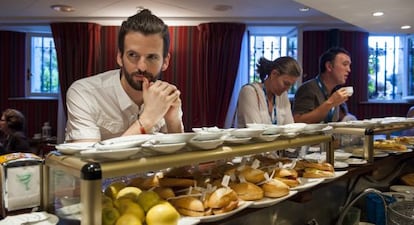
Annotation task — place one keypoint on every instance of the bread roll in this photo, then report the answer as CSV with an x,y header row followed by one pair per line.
x,y
145,183
408,179
252,175
189,206
320,166
164,192
291,182
284,172
287,176
389,145
275,188
176,182
221,197
247,191
229,207
316,173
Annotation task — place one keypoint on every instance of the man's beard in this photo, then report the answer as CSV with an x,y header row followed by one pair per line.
x,y
137,85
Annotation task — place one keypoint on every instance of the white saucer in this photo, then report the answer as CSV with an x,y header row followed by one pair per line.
x,y
207,144
164,148
268,137
266,202
188,221
234,140
340,165
206,136
72,148
338,174
212,218
173,138
356,161
306,183
268,128
403,189
290,134
246,132
122,142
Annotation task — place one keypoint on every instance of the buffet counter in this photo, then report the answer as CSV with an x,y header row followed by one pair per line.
x,y
89,175
69,177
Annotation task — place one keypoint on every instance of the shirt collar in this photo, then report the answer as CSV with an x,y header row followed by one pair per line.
x,y
125,102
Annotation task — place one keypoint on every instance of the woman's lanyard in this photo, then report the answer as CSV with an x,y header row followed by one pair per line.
x,y
273,117
325,93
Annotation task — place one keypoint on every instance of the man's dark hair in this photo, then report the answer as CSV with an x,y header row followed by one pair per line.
x,y
146,23
329,56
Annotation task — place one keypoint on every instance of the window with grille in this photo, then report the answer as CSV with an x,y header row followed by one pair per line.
x,y
390,67
271,46
42,70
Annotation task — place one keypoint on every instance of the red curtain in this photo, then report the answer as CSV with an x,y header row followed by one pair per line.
x,y
109,48
218,61
12,69
78,51
182,70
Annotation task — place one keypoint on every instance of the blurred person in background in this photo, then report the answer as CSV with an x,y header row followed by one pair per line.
x,y
317,100
268,102
12,126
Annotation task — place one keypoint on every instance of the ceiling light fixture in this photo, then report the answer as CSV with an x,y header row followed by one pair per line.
x,y
379,13
62,8
405,27
304,9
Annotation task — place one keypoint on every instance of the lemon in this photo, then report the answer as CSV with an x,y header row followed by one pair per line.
x,y
129,192
109,215
147,199
128,219
127,205
162,214
113,189
107,201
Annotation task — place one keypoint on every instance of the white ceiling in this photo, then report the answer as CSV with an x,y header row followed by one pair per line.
x,y
352,14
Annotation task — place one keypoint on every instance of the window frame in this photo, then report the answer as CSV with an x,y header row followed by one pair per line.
x,y
286,33
405,96
28,83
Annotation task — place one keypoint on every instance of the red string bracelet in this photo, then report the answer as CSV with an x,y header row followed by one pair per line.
x,y
141,129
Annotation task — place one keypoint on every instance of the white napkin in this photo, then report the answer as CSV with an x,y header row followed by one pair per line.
x,y
22,187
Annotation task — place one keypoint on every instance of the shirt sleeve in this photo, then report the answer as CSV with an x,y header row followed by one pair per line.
x,y
304,100
81,122
248,106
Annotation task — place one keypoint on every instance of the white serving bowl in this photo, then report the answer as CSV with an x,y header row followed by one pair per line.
x,y
208,130
268,128
268,137
207,144
164,148
246,132
205,136
315,126
172,138
293,127
342,156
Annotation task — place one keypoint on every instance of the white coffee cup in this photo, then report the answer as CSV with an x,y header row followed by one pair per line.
x,y
349,90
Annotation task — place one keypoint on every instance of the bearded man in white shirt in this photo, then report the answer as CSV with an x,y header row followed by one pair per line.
x,y
130,100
